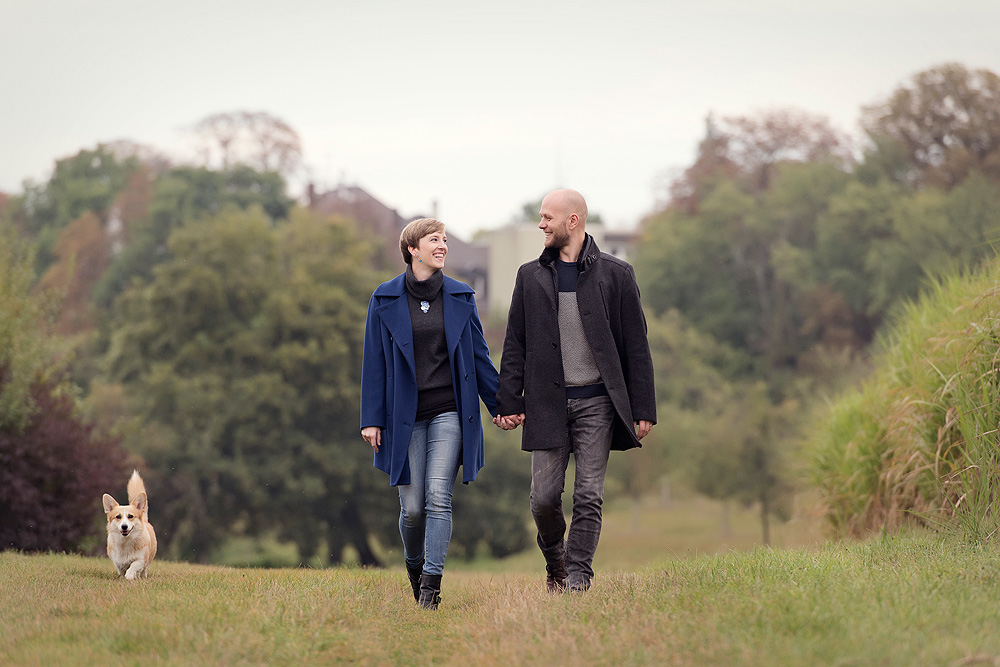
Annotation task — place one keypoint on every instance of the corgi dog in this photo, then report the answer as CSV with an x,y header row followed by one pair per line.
x,y
131,539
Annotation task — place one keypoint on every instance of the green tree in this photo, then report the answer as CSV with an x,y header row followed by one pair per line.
x,y
216,366
855,220
243,355
26,357
686,262
740,268
86,182
946,122
749,150
745,456
181,196
53,467
82,254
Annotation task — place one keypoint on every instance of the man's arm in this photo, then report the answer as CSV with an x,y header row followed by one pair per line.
x,y
638,364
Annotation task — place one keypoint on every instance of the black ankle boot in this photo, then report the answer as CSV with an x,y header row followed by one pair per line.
x,y
555,579
414,574
430,589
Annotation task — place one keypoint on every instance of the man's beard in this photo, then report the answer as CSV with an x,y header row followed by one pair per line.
x,y
559,239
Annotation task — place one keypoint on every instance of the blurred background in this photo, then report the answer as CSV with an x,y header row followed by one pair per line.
x,y
197,200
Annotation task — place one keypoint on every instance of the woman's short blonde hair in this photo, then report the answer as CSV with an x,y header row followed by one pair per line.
x,y
413,232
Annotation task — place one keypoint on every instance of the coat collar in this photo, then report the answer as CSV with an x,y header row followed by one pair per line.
x,y
397,287
547,278
395,313
588,254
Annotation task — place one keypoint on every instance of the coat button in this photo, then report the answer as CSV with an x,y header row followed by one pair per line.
x,y
555,384
470,419
554,346
466,376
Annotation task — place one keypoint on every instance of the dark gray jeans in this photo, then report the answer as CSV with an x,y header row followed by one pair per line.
x,y
589,422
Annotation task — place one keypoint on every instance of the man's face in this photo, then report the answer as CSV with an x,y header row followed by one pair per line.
x,y
554,221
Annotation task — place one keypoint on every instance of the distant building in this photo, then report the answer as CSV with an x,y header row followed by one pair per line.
x,y
466,261
511,246
489,265
372,216
620,243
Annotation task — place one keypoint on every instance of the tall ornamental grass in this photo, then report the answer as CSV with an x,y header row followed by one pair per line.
x,y
918,441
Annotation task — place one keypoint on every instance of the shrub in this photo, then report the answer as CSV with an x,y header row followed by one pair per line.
x,y
52,476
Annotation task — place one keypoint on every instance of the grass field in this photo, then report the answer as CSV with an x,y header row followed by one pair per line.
x,y
633,535
899,601
911,600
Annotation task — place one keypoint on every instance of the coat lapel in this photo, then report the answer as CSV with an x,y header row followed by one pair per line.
x,y
543,275
396,316
457,313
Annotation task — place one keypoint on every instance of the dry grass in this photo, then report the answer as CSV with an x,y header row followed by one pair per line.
x,y
915,600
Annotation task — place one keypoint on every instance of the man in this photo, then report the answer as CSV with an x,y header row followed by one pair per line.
x,y
577,374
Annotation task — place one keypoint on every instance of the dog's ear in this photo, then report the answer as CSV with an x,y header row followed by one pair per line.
x,y
109,503
141,502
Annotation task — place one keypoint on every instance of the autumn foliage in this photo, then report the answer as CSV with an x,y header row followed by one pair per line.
x,y
52,477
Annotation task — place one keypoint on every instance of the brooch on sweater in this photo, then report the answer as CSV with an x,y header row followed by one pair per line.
x,y
424,306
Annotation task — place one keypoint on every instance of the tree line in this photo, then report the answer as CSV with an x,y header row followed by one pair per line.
x,y
199,323
786,246
210,331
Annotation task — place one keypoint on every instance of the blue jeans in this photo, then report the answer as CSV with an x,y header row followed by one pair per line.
x,y
425,503
589,422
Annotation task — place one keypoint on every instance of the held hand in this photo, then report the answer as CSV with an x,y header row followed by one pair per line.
x,y
642,428
373,436
508,422
514,421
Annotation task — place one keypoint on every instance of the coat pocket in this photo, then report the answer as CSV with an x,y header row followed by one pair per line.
x,y
604,302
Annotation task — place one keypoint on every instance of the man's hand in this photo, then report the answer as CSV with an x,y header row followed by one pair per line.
x,y
642,428
509,422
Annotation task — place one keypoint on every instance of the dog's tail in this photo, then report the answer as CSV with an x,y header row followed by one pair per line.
x,y
135,487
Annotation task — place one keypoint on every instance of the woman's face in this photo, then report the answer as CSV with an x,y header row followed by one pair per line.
x,y
431,250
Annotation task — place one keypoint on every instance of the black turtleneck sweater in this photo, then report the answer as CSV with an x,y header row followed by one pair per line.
x,y
435,394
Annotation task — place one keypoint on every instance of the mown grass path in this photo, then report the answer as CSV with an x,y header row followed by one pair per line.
x,y
917,600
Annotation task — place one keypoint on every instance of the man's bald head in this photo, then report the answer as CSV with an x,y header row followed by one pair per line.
x,y
570,202
562,217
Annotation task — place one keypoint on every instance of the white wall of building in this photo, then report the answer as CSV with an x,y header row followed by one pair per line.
x,y
509,248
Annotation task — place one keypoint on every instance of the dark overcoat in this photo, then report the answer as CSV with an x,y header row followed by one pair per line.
x,y
389,377
531,372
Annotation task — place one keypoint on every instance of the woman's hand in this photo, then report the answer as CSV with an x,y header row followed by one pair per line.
x,y
373,436
509,422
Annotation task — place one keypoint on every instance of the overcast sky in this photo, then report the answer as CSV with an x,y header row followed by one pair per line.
x,y
478,106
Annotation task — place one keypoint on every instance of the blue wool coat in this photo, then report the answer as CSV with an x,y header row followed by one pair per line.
x,y
389,381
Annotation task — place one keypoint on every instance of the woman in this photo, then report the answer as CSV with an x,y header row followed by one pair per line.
x,y
425,366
